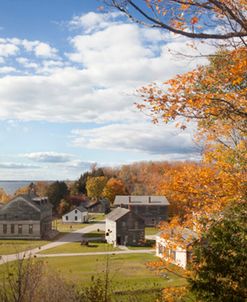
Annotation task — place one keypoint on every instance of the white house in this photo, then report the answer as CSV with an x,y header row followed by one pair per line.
x,y
178,254
79,214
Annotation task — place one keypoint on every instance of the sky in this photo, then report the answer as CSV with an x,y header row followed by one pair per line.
x,y
68,79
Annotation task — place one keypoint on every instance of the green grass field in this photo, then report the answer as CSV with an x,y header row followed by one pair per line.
x,y
95,234
131,280
151,230
96,217
129,274
68,227
76,247
8,247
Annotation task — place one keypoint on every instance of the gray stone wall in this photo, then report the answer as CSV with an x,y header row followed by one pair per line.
x,y
130,230
152,214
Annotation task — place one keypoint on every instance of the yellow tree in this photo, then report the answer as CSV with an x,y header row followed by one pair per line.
x,y
4,197
113,187
95,186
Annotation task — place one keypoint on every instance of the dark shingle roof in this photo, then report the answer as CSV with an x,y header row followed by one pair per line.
x,y
81,208
117,213
141,200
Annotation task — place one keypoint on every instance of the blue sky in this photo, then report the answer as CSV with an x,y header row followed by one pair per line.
x,y
68,79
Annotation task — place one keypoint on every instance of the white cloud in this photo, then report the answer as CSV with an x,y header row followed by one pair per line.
x,y
114,61
18,166
94,21
7,49
7,69
45,50
48,157
139,137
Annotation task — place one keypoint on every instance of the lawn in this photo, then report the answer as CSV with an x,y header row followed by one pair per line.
x,y
95,234
8,247
76,247
131,280
68,227
151,230
96,217
128,274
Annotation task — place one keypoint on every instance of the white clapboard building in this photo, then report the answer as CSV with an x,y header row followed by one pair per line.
x,y
79,214
168,249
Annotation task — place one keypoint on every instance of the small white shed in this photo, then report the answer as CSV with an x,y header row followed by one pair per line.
x,y
180,256
79,214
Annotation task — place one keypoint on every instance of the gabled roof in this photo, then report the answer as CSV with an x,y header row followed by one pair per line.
x,y
117,213
81,208
38,203
141,200
91,204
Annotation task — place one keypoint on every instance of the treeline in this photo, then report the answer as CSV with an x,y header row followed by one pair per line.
x,y
189,186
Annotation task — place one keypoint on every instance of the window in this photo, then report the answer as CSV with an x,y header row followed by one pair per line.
x,y
19,228
123,224
136,224
66,217
173,254
75,218
4,228
75,211
12,229
30,229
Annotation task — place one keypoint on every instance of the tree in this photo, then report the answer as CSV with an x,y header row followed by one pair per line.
x,y
95,186
57,191
79,186
199,188
4,197
30,280
190,18
63,207
220,258
214,95
112,188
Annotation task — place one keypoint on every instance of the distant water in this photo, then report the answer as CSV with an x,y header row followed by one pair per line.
x,y
11,186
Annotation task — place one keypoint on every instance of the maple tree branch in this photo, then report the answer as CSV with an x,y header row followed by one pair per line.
x,y
156,23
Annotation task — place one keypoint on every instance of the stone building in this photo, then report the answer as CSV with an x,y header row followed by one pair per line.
x,y
153,209
26,216
124,227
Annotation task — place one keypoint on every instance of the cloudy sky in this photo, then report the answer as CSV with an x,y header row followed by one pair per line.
x,y
68,76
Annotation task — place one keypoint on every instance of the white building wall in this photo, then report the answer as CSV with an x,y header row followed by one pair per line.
x,y
180,254
111,230
71,217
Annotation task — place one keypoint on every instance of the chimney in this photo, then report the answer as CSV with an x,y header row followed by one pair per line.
x,y
129,199
149,199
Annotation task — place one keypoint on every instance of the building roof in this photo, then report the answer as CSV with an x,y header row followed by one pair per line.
x,y
117,213
91,204
81,208
185,234
141,200
39,203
